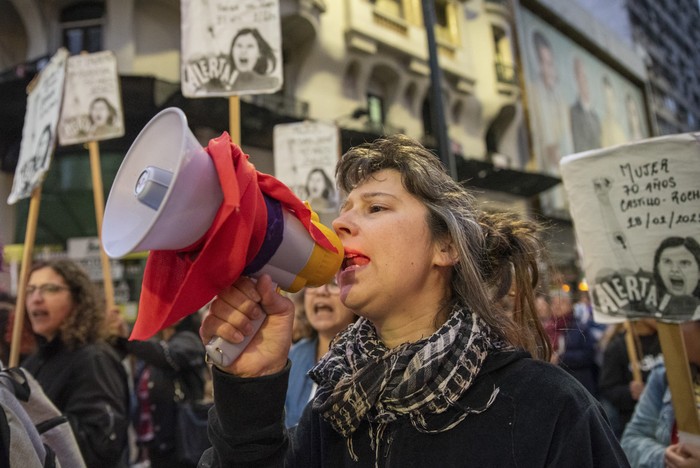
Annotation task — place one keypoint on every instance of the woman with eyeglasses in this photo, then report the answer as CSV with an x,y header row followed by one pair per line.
x,y
77,369
327,316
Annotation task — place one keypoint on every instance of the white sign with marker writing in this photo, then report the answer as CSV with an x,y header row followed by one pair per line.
x,y
636,212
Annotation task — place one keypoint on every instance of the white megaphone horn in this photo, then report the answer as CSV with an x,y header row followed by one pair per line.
x,y
166,195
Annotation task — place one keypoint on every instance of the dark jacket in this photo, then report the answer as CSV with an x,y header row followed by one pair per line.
x,y
616,374
540,417
179,361
88,385
578,355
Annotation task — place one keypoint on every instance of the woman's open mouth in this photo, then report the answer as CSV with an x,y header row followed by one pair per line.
x,y
353,261
677,284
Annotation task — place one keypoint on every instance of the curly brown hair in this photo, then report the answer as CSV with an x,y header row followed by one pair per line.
x,y
86,323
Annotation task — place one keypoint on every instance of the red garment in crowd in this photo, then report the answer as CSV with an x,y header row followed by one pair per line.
x,y
179,283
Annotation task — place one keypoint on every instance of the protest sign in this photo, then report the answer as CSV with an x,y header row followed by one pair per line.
x,y
305,157
230,47
636,213
92,105
39,130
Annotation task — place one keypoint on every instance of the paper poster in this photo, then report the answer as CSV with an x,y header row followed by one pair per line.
x,y
306,154
230,47
92,104
39,130
636,213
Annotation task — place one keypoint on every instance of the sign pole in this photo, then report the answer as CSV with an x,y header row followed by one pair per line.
x,y
632,351
234,116
27,254
98,195
679,379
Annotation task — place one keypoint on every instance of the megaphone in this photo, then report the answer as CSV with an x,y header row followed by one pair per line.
x,y
167,197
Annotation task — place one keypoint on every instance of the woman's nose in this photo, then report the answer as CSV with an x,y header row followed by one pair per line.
x,y
34,295
343,224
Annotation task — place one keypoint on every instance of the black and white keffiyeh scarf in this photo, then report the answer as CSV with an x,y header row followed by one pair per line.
x,y
360,378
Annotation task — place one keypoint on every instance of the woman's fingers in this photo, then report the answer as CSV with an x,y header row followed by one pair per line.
x,y
231,313
236,308
271,301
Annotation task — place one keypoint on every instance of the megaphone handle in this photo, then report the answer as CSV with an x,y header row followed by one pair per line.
x,y
222,353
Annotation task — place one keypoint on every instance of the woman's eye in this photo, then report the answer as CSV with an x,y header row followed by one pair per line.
x,y
375,208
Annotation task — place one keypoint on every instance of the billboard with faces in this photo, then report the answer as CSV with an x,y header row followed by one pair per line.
x,y
575,102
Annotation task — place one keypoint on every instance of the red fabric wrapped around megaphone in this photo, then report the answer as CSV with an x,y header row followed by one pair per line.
x,y
177,283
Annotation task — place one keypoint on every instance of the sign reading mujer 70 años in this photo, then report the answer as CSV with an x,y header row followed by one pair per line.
x,y
230,47
636,212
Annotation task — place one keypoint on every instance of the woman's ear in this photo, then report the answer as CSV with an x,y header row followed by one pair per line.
x,y
446,254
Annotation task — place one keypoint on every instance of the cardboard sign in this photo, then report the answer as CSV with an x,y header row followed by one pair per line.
x,y
92,106
636,212
230,47
305,157
39,130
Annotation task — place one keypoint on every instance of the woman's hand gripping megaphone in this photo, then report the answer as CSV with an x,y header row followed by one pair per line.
x,y
233,324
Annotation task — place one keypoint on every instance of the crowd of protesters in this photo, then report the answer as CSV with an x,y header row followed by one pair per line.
x,y
367,373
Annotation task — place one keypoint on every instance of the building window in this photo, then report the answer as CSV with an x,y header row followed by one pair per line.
x,y
446,22
81,26
505,69
375,110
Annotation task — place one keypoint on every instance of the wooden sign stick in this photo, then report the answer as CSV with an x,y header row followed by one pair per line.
x,y
98,195
234,118
27,255
632,351
679,379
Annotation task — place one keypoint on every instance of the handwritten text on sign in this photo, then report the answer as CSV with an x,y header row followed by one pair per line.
x,y
636,210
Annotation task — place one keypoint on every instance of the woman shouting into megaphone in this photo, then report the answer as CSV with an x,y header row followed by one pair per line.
x,y
434,369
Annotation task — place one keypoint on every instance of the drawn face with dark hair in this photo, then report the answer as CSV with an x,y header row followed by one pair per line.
x,y
679,270
246,52
42,146
317,185
100,113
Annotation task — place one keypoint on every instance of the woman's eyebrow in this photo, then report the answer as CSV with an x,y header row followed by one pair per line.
x,y
370,195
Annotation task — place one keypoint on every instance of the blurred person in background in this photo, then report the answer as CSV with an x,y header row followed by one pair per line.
x,y
619,392
575,345
651,438
27,344
168,368
327,316
301,328
77,369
